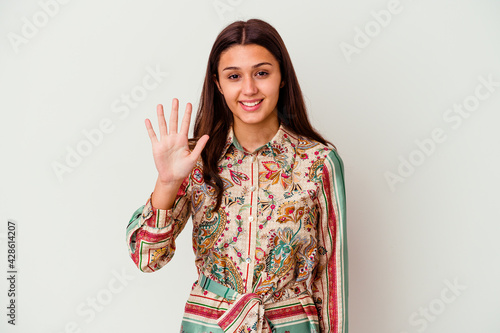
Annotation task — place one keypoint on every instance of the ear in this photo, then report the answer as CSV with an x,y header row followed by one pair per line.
x,y
217,83
282,84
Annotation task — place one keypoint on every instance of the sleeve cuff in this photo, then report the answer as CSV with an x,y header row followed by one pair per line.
x,y
155,217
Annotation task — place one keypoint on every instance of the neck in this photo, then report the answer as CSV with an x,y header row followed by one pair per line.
x,y
252,137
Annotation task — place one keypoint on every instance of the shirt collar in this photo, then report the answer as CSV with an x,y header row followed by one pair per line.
x,y
284,141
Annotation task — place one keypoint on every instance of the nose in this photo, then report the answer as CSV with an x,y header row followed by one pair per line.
x,y
249,86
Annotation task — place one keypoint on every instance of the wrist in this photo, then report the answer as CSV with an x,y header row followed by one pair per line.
x,y
164,194
167,185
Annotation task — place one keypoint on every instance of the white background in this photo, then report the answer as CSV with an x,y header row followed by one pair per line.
x,y
435,227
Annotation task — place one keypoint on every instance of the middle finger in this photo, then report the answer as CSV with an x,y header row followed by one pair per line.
x,y
174,116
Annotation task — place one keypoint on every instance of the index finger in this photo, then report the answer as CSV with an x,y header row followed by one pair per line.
x,y
186,119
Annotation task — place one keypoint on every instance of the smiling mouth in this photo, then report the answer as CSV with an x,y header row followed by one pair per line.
x,y
252,104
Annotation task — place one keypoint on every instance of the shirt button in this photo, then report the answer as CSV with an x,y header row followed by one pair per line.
x,y
252,188
248,260
250,218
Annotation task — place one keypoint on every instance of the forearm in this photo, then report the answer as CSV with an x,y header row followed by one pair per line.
x,y
164,194
151,237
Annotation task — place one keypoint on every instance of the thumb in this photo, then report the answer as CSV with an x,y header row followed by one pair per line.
x,y
200,144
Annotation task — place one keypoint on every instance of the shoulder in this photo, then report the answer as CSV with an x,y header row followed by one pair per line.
x,y
314,151
312,156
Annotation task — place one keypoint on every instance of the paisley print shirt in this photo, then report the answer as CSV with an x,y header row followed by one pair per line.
x,y
278,238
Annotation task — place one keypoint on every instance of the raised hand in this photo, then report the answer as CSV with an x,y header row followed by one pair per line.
x,y
173,159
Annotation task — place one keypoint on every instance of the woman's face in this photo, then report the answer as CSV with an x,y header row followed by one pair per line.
x,y
250,74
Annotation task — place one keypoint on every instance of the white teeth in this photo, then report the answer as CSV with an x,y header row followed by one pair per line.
x,y
251,104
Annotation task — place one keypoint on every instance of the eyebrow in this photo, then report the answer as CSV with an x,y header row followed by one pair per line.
x,y
254,66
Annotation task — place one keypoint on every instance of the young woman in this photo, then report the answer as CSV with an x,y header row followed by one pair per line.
x,y
265,192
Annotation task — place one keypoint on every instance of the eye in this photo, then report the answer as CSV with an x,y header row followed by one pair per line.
x,y
236,76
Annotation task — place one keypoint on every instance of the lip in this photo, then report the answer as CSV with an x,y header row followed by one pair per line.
x,y
251,100
251,108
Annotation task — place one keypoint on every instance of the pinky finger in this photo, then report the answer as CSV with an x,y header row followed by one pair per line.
x,y
151,132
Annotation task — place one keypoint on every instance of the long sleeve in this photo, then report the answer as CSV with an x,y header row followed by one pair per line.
x,y
151,232
330,286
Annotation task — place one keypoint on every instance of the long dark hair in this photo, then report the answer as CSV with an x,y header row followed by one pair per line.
x,y
214,116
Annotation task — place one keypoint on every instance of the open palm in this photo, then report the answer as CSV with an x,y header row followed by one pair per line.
x,y
173,159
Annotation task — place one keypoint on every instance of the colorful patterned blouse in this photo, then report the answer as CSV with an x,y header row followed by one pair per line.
x,y
273,258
